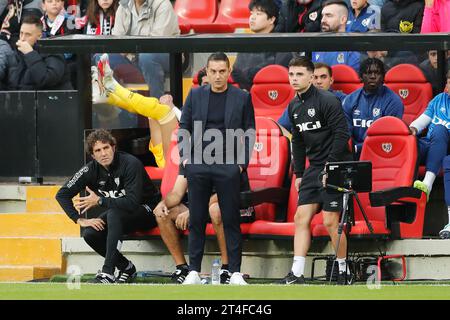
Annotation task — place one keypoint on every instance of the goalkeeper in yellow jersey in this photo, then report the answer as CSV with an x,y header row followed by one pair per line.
x,y
162,118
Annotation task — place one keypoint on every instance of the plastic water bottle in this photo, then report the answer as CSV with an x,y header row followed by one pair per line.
x,y
215,272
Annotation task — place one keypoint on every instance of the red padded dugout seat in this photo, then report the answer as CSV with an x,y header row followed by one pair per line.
x,y
271,91
346,79
393,153
196,12
264,228
269,163
409,83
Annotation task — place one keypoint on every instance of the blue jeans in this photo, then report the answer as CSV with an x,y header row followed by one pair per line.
x,y
433,149
154,67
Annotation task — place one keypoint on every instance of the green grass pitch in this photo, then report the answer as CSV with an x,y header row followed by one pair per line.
x,y
58,291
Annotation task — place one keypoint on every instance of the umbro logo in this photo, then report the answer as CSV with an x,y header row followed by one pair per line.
x,y
334,204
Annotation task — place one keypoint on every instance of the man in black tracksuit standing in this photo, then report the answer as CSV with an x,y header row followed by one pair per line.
x,y
319,132
118,183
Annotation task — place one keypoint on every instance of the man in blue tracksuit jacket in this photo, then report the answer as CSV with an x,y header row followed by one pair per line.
x,y
363,17
373,101
334,19
433,147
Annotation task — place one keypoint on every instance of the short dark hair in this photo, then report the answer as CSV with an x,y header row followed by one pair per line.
x,y
101,135
319,65
339,2
366,64
201,73
302,62
269,7
448,74
218,56
34,20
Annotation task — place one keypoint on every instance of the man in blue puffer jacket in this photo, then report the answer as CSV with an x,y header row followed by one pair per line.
x,y
373,101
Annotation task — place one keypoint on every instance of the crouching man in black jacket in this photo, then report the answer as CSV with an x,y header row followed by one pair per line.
x,y
117,182
27,69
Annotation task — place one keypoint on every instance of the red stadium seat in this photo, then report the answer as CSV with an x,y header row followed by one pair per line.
x,y
272,229
267,172
271,91
408,81
196,12
394,208
232,14
269,163
346,79
193,13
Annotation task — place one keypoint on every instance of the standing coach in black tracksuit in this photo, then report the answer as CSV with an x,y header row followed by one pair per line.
x,y
117,183
215,109
319,132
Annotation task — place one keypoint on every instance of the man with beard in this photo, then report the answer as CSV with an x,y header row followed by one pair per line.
x,y
334,19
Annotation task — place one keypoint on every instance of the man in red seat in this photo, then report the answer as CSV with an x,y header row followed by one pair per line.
x,y
117,183
369,103
320,133
433,147
172,214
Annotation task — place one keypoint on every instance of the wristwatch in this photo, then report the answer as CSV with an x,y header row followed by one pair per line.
x,y
100,201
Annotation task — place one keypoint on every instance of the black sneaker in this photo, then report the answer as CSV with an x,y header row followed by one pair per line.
x,y
225,276
345,279
180,274
292,279
127,275
102,277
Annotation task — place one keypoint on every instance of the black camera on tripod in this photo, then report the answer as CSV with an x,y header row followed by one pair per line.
x,y
351,175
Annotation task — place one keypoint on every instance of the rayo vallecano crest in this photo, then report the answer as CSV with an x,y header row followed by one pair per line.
x,y
311,112
258,146
273,94
387,147
376,112
404,93
313,16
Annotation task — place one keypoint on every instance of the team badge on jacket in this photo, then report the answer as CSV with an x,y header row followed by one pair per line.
x,y
311,112
376,112
313,16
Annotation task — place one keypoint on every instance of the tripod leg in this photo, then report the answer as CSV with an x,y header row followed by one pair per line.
x,y
340,229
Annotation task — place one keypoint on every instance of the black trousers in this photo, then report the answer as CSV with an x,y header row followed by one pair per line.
x,y
107,242
225,178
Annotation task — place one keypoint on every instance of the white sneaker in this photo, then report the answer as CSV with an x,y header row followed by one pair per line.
x,y
98,93
192,278
445,233
237,279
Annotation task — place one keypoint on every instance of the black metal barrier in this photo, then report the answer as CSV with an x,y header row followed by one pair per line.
x,y
39,133
84,45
